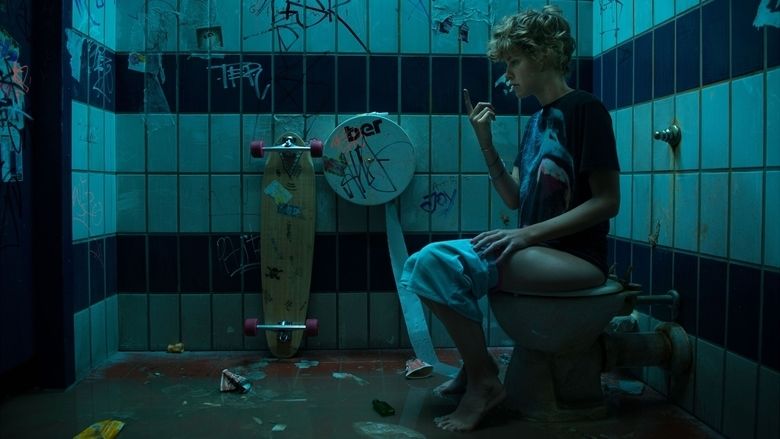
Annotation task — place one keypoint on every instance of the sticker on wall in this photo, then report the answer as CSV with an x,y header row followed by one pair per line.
x,y
13,91
209,37
368,159
768,14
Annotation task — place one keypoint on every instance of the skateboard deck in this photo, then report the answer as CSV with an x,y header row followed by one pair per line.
x,y
287,215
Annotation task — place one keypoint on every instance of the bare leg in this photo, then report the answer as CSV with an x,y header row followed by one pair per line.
x,y
483,388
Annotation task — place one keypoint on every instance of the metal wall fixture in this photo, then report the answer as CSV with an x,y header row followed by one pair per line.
x,y
671,135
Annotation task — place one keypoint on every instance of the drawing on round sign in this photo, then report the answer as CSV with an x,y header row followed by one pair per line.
x,y
368,159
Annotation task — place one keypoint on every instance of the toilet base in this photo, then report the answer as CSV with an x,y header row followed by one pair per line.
x,y
556,387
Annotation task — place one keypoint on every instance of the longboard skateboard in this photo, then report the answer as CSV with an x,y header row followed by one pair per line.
x,y
287,214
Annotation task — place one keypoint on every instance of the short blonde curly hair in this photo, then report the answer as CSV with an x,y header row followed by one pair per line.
x,y
544,36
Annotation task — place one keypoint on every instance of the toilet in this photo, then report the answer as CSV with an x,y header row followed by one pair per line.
x,y
560,352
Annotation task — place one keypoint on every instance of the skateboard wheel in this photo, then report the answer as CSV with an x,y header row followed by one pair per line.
x,y
316,148
250,327
256,148
312,327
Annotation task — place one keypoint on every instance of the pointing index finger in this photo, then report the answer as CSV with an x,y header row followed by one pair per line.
x,y
467,100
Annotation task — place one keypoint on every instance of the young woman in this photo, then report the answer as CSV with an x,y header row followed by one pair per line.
x,y
565,184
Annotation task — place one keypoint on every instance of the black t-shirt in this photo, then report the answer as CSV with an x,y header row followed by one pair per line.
x,y
563,142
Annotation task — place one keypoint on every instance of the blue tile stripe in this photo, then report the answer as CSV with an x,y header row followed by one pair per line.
x,y
721,301
305,84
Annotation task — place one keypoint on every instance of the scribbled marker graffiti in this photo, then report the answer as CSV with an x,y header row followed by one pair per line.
x,y
363,168
238,71
288,22
439,200
13,90
238,259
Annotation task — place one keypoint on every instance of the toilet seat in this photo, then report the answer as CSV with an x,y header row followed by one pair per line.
x,y
611,286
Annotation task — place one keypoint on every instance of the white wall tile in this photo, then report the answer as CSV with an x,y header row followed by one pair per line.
x,y
640,218
227,16
444,143
715,127
96,200
479,27
683,5
320,28
745,219
772,219
584,29
225,197
713,227
445,195
225,142
96,139
161,24
747,117
474,199
773,117
193,203
709,383
130,146
130,19
663,208
383,26
250,203
687,110
255,127
110,126
624,136
686,212
739,397
79,138
110,206
417,201
110,25
81,341
162,143
131,203
415,26
418,128
663,116
256,25
643,138
193,143
662,11
356,14
643,15
97,324
80,205
326,206
623,219
625,15
163,203
768,424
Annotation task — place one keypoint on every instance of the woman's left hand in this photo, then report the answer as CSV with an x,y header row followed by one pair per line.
x,y
501,241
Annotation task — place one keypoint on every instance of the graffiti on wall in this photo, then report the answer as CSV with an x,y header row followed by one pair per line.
x,y
292,18
14,86
231,74
98,66
768,14
452,17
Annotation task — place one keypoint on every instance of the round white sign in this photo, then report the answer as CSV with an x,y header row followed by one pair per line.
x,y
368,160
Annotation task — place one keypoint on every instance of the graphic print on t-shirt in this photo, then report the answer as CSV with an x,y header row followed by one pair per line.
x,y
546,169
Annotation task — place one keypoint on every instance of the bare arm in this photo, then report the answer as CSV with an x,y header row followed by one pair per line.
x,y
506,184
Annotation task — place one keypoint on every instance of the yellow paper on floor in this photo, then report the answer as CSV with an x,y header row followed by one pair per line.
x,y
107,429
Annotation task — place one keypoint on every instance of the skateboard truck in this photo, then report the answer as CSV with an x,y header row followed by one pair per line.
x,y
284,328
258,148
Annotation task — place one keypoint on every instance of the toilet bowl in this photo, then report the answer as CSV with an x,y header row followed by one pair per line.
x,y
559,355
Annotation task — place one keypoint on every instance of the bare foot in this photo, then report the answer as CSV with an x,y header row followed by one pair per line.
x,y
478,400
455,386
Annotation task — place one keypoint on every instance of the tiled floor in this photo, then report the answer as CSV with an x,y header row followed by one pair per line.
x,y
160,395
